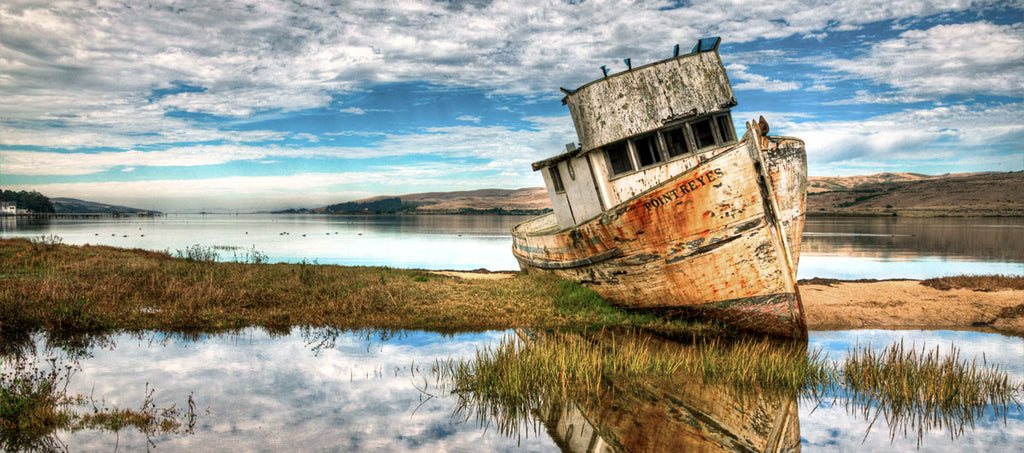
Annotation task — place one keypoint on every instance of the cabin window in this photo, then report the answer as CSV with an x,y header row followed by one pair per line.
x,y
618,158
675,141
556,178
703,133
725,126
647,150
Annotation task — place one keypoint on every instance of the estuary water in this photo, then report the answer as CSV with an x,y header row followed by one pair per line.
x,y
327,390
833,247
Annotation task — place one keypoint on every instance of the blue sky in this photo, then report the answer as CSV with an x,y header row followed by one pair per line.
x,y
253,105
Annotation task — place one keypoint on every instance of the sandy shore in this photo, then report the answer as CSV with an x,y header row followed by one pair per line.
x,y
908,304
890,304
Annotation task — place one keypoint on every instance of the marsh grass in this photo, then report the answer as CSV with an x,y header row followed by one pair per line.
x,y
149,419
553,363
35,405
913,391
504,385
93,289
924,389
976,282
198,254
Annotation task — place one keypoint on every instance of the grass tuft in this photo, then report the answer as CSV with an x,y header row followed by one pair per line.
x,y
35,404
925,389
976,282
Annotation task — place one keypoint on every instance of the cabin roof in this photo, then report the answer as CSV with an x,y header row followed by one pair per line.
x,y
576,151
644,98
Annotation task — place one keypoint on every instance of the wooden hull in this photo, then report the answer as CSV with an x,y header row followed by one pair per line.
x,y
720,241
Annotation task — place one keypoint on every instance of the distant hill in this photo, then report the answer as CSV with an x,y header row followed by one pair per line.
x,y
957,194
829,183
75,206
533,200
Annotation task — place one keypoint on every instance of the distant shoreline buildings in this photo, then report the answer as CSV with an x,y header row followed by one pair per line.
x,y
7,208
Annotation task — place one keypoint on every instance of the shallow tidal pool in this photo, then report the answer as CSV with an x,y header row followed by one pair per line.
x,y
327,390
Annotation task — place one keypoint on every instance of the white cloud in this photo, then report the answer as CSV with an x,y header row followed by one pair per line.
x,y
353,110
870,97
469,118
963,136
756,81
69,57
510,149
973,58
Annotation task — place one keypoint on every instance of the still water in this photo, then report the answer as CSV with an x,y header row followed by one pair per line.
x,y
843,247
324,390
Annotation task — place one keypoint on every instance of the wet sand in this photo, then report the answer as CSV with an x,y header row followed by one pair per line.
x,y
834,304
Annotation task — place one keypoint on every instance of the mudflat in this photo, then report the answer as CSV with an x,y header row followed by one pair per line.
x,y
909,304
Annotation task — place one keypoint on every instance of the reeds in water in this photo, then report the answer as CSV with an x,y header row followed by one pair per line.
x,y
923,389
914,391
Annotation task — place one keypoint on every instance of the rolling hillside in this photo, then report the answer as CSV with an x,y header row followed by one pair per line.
x,y
76,206
958,194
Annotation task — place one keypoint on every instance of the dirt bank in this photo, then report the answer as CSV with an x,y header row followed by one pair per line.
x,y
908,304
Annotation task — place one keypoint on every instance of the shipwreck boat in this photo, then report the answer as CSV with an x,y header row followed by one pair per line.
x,y
660,208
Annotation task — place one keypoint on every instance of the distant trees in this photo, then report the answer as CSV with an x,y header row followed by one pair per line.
x,y
33,201
380,206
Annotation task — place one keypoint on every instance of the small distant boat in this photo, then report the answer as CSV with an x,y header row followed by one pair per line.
x,y
661,209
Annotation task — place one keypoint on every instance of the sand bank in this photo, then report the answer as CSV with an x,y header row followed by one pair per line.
x,y
908,304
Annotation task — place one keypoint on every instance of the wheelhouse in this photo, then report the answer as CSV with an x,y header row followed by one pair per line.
x,y
637,129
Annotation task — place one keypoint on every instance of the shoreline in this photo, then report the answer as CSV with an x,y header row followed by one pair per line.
x,y
79,289
831,304
909,304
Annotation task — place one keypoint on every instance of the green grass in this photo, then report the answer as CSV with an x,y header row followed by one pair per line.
x,y
66,290
976,282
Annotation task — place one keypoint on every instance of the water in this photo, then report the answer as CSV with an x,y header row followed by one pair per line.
x,y
844,247
324,390
459,242
917,248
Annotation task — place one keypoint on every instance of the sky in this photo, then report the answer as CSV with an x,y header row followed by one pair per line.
x,y
241,106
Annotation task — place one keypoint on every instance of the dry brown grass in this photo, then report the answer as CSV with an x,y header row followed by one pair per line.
x,y
95,288
976,282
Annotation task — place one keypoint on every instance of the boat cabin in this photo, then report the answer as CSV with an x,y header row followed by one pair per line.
x,y
638,128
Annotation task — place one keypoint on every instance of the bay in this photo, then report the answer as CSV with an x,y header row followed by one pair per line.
x,y
329,390
833,247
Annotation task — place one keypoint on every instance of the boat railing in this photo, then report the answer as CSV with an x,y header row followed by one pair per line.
x,y
545,222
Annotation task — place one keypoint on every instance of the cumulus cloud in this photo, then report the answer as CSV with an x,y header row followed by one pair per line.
x,y
972,58
757,82
283,55
968,137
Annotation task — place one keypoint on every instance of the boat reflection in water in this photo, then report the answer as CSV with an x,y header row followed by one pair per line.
x,y
644,395
689,417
